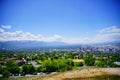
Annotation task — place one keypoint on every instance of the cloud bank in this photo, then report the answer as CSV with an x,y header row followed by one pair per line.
x,y
108,34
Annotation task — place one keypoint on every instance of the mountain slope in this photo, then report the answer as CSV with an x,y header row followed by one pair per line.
x,y
28,44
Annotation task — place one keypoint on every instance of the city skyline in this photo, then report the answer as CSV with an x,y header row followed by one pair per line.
x,y
70,21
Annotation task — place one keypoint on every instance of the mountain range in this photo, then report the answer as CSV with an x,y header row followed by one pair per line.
x,y
39,44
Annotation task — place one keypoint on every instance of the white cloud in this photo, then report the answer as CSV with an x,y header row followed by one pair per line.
x,y
1,30
6,26
112,29
109,34
106,35
76,40
51,39
20,35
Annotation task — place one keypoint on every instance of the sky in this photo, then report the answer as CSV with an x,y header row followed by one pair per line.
x,y
71,21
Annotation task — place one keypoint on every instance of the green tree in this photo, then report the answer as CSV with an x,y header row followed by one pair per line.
x,y
11,63
32,69
28,69
25,69
100,62
89,60
12,67
57,65
4,72
50,65
78,64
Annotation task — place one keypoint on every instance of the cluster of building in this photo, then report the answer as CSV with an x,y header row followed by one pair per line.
x,y
19,62
102,48
91,48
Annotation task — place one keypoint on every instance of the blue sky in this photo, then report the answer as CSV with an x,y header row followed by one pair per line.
x,y
67,18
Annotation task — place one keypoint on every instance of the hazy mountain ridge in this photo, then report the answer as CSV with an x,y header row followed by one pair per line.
x,y
40,44
28,44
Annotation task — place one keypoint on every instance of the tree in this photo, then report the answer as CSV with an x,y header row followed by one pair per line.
x,y
12,67
11,63
56,65
100,62
4,72
32,69
50,65
28,69
89,60
25,69
78,64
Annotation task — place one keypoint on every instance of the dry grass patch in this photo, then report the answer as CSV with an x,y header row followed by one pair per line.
x,y
83,73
